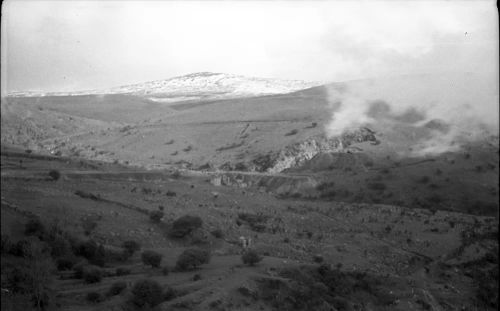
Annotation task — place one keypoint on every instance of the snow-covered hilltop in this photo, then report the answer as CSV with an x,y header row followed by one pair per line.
x,y
203,85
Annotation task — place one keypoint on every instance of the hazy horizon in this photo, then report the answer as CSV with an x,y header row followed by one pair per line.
x,y
53,46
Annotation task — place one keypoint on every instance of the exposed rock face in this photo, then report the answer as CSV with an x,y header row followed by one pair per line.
x,y
297,154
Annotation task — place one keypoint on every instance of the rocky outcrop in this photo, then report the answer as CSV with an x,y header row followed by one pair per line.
x,y
297,154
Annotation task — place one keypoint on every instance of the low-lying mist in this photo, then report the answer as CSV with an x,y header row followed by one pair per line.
x,y
445,110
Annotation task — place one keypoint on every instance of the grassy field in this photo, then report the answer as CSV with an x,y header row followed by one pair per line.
x,y
410,258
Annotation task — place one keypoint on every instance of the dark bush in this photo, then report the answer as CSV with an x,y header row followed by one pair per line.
x,y
377,186
6,244
122,271
87,248
65,263
54,174
156,216
20,249
35,227
94,297
59,246
185,225
151,258
90,250
116,255
131,247
171,193
165,270
169,294
191,258
146,293
217,233
318,259
116,288
92,274
424,179
251,257
292,132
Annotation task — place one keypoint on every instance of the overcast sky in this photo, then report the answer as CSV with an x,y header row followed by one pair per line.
x,y
78,45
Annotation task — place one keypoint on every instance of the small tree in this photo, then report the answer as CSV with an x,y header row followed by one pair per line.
x,y
92,274
39,270
122,271
146,293
251,257
94,297
191,258
131,247
156,216
65,263
116,288
185,225
54,174
151,258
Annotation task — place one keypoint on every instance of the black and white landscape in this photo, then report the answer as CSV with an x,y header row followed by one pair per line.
x,y
249,155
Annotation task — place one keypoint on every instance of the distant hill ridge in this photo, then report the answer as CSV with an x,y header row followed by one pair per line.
x,y
198,85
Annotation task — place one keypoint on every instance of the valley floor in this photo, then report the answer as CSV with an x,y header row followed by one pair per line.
x,y
408,259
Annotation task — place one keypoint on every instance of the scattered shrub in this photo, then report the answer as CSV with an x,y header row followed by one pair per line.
x,y
88,226
185,225
292,132
161,208
86,249
169,293
92,274
78,269
6,244
35,227
131,247
54,174
116,288
151,258
171,193
146,293
318,259
60,246
251,257
116,255
156,216
377,186
94,297
65,263
217,233
191,258
122,271
424,179
165,270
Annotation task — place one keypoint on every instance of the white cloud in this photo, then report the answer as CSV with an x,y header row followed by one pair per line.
x,y
89,44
